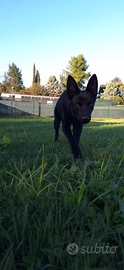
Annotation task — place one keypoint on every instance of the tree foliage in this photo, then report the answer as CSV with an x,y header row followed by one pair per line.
x,y
37,89
114,88
62,79
53,86
36,76
1,88
77,69
110,90
121,88
13,79
117,80
102,88
33,74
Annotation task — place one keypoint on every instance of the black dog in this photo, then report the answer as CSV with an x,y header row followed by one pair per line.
x,y
74,107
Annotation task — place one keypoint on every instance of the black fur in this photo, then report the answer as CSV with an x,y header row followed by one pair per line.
x,y
74,107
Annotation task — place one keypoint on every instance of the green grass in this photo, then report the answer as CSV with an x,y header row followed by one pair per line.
x,y
49,200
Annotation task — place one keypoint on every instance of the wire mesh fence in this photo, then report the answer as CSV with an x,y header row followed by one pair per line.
x,y
42,108
107,109
102,109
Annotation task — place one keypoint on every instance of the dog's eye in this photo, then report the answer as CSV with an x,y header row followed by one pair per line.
x,y
77,105
89,104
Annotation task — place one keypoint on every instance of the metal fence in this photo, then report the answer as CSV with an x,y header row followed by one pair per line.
x,y
107,109
42,108
102,109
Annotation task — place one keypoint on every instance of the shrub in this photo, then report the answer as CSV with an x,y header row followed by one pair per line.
x,y
120,100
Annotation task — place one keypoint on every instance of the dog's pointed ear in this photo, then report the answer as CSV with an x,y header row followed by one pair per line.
x,y
72,87
92,85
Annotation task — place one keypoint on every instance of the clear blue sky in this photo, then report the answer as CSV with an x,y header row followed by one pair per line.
x,y
49,32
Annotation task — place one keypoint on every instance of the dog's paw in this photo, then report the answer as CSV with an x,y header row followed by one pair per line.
x,y
78,155
56,138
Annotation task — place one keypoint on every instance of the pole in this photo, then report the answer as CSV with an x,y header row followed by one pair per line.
x,y
39,108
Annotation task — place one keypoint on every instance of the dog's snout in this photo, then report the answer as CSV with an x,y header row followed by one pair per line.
x,y
85,119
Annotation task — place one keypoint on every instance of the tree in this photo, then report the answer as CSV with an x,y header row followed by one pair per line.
x,y
58,91
117,80
6,83
1,88
114,88
38,90
33,74
77,69
119,86
53,86
13,78
62,78
41,90
110,90
36,76
102,88
37,79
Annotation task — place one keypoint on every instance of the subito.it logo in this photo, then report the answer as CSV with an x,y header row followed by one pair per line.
x,y
72,249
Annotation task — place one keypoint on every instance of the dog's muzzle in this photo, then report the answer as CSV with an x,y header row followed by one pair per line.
x,y
85,119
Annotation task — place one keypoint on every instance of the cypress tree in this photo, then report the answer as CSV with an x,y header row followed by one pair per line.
x,y
38,77
33,74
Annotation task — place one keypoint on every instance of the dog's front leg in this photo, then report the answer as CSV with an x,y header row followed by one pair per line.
x,y
74,146
77,129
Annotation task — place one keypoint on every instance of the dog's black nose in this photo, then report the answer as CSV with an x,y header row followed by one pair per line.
x,y
85,119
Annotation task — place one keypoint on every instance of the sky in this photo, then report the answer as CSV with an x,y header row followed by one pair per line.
x,y
50,32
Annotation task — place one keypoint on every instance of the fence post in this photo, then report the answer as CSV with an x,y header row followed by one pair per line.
x,y
108,109
33,107
53,108
12,106
39,108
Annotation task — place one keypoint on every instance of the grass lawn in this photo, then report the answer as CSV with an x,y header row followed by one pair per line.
x,y
48,200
